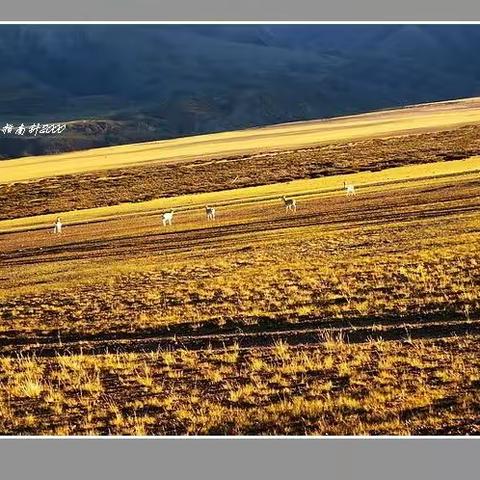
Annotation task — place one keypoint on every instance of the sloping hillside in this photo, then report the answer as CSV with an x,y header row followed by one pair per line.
x,y
421,134
146,82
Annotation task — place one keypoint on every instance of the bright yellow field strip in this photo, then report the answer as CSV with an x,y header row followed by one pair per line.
x,y
277,137
316,186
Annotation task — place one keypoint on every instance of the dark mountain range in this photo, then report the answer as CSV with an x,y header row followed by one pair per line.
x,y
129,83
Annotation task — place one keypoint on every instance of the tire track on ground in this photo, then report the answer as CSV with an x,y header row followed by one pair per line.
x,y
215,340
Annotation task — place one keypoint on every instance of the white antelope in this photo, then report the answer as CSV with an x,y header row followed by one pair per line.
x,y
57,226
210,212
167,218
290,204
350,188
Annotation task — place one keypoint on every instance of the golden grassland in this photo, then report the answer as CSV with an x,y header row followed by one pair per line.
x,y
378,387
311,277
428,117
404,252
155,181
414,279
390,178
355,315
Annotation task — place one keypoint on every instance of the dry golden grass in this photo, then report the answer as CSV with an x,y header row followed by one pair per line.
x,y
428,387
345,265
381,265
356,315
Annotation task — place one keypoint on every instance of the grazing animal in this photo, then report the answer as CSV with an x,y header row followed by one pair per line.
x,y
210,212
349,188
57,226
290,204
167,218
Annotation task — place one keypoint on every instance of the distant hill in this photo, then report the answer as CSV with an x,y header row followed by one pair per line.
x,y
131,83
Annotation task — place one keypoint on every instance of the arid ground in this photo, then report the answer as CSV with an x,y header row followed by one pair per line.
x,y
356,315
